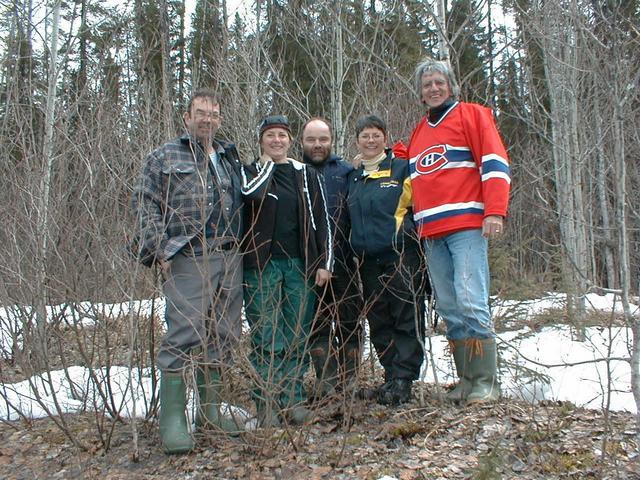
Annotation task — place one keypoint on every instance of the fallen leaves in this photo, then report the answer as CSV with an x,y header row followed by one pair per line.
x,y
513,440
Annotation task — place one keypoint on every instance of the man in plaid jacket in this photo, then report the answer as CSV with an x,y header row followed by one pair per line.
x,y
188,213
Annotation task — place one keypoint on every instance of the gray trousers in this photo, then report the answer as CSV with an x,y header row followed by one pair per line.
x,y
203,308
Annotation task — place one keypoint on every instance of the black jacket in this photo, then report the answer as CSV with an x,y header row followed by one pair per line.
x,y
335,173
380,210
258,193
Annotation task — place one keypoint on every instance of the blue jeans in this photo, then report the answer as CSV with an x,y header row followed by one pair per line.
x,y
459,270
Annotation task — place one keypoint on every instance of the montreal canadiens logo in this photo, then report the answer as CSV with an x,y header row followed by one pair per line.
x,y
431,160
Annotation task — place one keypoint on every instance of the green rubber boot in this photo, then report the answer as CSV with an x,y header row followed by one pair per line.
x,y
174,431
326,368
461,391
209,392
482,370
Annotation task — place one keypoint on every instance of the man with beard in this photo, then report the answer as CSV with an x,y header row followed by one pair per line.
x,y
336,335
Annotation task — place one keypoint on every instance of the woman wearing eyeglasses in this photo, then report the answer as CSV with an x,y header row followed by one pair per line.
x,y
391,268
286,252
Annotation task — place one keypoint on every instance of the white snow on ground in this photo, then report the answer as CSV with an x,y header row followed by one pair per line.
x,y
548,364
77,390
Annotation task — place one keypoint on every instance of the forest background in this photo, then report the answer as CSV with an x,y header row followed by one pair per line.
x,y
88,88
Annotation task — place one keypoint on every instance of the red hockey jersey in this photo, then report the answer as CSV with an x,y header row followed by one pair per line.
x,y
459,171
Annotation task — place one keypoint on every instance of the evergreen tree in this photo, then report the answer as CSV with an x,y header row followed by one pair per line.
x,y
467,37
156,27
208,44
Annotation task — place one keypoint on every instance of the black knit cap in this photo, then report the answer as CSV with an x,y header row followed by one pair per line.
x,y
274,121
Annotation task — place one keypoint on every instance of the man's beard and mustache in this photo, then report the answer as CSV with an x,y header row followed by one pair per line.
x,y
314,153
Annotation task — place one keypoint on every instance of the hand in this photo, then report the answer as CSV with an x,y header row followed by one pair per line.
x,y
322,277
165,267
264,159
492,226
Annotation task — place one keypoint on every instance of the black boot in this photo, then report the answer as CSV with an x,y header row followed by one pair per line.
x,y
399,392
350,360
375,393
326,368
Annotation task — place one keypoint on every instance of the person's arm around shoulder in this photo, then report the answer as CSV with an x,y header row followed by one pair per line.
x,y
405,202
256,179
400,150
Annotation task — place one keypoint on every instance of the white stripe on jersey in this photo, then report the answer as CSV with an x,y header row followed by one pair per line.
x,y
447,208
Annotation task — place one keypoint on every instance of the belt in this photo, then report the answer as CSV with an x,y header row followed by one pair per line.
x,y
197,250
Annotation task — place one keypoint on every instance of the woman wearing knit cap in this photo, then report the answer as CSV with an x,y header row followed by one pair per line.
x,y
390,261
286,252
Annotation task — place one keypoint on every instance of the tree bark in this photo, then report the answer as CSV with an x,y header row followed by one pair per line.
x,y
619,152
45,184
443,42
560,38
602,165
337,81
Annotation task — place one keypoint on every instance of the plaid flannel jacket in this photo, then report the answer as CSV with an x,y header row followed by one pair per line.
x,y
176,195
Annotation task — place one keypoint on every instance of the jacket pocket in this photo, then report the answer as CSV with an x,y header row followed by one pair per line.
x,y
179,167
181,179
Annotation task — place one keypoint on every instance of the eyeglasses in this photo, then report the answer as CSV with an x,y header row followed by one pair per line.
x,y
371,136
204,114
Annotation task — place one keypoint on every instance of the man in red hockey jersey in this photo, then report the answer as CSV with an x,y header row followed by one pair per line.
x,y
460,180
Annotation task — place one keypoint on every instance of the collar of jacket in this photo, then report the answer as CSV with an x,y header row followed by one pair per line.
x,y
297,165
386,163
218,145
385,166
332,159
435,114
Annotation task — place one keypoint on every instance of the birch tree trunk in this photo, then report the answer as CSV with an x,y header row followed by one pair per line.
x,y
337,80
182,45
255,80
167,74
443,43
45,184
560,39
490,91
602,165
623,242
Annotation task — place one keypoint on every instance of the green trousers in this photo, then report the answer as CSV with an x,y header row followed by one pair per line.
x,y
279,305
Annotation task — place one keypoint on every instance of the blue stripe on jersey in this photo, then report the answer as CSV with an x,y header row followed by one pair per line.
x,y
450,213
489,166
458,155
